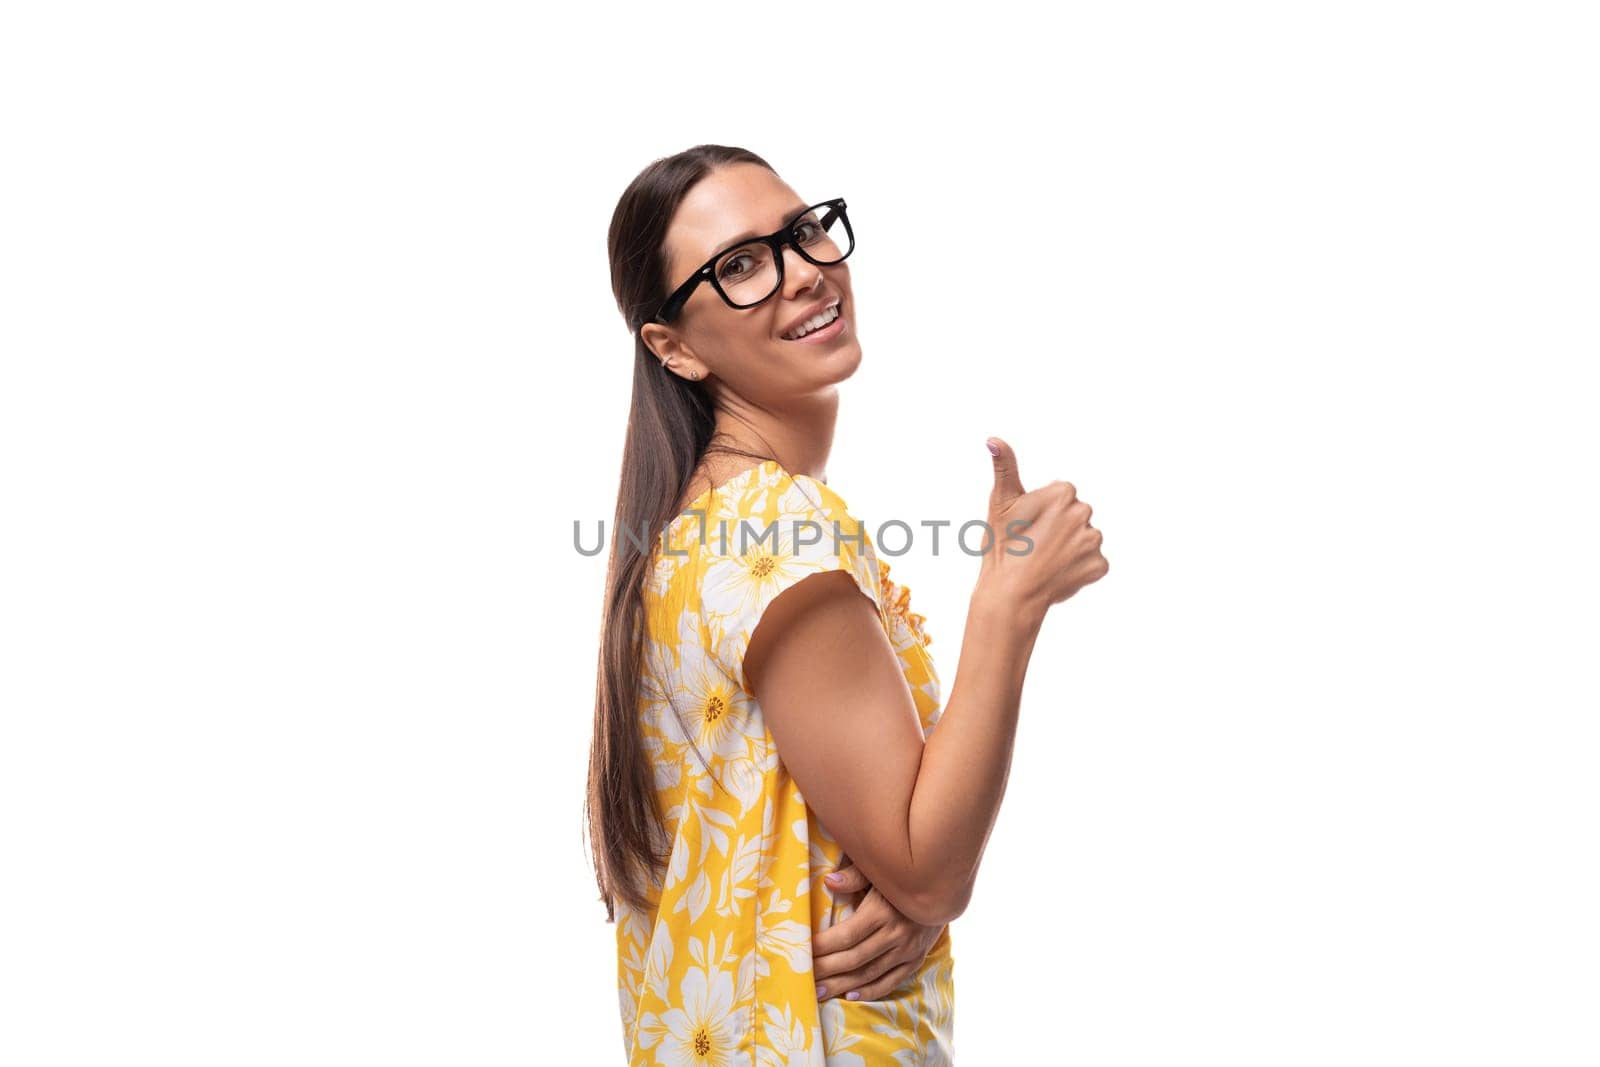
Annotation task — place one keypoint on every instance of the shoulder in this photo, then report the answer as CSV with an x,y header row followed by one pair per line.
x,y
769,517
763,533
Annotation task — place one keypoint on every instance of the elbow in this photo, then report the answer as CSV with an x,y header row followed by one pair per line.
x,y
938,905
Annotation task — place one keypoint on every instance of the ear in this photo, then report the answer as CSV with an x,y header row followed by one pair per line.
x,y
670,349
659,339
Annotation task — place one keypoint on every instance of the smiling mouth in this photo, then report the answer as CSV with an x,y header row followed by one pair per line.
x,y
836,310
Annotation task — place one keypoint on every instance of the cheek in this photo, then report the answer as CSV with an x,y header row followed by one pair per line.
x,y
727,341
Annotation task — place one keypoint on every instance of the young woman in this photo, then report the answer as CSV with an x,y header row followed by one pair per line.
x,y
753,728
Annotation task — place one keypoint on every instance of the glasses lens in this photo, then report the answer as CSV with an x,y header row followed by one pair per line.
x,y
824,234
748,274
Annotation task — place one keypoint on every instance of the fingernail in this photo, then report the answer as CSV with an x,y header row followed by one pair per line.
x,y
822,991
994,449
854,994
834,879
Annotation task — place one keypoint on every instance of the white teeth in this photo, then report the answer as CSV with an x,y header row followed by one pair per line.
x,y
814,323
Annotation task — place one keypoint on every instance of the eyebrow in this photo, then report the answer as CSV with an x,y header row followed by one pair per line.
x,y
733,242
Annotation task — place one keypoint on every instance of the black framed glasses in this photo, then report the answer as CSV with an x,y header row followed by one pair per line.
x,y
749,272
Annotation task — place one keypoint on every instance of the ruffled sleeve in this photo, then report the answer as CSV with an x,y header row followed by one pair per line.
x,y
896,601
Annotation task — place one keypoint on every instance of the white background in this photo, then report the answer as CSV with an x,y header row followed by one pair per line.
x,y
311,361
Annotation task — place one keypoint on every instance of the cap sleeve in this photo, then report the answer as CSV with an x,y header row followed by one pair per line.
x,y
762,539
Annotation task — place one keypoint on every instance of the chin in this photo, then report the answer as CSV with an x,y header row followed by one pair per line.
x,y
831,363
842,362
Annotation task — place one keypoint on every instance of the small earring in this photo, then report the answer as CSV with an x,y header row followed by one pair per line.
x,y
694,374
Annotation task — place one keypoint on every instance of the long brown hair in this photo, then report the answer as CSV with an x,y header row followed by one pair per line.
x,y
670,428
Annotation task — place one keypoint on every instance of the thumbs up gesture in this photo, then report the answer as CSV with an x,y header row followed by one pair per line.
x,y
1043,549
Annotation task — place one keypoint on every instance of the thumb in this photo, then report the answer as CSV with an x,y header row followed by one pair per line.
x,y
847,880
1007,486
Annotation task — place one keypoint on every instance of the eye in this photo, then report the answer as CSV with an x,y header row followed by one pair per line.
x,y
807,231
728,270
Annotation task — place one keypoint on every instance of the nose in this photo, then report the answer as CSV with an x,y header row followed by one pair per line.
x,y
799,273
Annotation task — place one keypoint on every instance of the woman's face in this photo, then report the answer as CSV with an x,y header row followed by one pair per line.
x,y
744,347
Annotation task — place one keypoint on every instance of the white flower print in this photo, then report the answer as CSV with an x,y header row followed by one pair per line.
x,y
664,569
788,1044
738,877
655,705
736,585
718,971
836,1041
627,1005
742,778
659,962
667,771
677,863
784,938
717,713
696,702
925,1027
704,1031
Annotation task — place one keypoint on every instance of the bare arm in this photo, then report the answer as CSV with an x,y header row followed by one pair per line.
x,y
915,816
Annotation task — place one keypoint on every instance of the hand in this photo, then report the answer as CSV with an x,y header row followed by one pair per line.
x,y
1065,554
872,951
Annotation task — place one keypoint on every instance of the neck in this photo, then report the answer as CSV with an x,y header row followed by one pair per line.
x,y
800,435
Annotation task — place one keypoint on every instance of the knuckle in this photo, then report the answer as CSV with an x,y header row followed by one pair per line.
x,y
886,984
1063,489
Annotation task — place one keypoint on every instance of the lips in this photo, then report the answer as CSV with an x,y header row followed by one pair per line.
x,y
812,312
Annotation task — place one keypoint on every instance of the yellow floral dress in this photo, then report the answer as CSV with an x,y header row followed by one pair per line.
x,y
718,970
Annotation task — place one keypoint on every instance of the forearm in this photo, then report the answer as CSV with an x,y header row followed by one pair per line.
x,y
967,759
